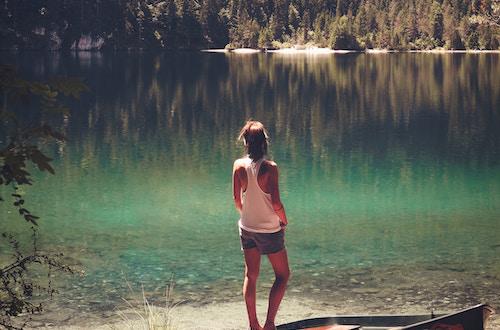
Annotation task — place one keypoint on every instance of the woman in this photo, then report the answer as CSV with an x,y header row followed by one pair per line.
x,y
263,220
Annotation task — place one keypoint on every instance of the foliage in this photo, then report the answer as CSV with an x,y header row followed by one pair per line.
x,y
185,24
456,41
341,36
18,284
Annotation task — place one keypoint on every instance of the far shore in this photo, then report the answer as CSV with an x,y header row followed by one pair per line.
x,y
320,50
289,50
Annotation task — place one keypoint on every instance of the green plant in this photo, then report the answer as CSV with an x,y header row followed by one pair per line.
x,y
18,282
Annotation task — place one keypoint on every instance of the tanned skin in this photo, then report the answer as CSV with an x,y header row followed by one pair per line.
x,y
268,181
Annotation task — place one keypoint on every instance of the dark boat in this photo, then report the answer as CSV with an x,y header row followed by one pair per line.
x,y
472,318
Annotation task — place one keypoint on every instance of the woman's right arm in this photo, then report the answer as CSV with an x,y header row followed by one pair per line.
x,y
278,206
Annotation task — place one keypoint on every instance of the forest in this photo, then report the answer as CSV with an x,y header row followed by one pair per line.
x,y
201,24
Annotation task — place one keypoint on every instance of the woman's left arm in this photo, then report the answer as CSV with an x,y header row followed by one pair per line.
x,y
237,186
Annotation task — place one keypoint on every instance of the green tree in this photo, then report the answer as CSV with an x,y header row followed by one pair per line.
x,y
215,31
437,22
361,25
340,36
190,32
18,284
170,24
322,29
305,25
265,38
293,18
177,24
384,31
456,42
339,9
485,37
471,35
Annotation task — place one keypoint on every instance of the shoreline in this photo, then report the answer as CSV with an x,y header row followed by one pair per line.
x,y
219,305
232,315
320,50
291,51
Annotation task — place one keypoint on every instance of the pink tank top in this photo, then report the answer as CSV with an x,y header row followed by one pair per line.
x,y
257,214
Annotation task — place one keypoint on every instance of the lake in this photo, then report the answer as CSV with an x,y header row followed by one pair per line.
x,y
389,171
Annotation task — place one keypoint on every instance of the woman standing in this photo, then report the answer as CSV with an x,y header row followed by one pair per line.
x,y
263,220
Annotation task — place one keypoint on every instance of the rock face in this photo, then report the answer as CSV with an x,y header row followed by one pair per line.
x,y
51,38
86,42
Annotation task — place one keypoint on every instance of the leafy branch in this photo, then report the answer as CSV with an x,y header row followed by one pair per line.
x,y
18,283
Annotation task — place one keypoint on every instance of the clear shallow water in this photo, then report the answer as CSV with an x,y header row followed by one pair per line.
x,y
389,164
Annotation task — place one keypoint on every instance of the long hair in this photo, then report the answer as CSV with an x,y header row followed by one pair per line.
x,y
255,139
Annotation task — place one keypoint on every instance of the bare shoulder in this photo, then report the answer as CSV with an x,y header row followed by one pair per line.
x,y
271,163
239,164
270,166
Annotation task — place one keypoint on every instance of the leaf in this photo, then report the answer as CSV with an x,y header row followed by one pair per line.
x,y
58,109
41,161
48,131
71,87
31,218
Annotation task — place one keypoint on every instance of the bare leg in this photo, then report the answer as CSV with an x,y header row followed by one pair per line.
x,y
279,261
252,267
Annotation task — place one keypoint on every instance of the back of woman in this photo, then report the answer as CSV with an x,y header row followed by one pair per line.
x,y
262,222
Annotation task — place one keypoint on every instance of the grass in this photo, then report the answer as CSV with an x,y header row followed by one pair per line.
x,y
147,316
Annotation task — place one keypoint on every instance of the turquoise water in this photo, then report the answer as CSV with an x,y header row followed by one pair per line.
x,y
389,171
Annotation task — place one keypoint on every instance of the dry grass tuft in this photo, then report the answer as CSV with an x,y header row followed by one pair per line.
x,y
148,316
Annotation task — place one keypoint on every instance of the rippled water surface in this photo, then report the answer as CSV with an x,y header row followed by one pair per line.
x,y
389,168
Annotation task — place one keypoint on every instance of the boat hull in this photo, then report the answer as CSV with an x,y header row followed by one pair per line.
x,y
472,318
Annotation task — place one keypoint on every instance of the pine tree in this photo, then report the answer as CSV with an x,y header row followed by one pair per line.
x,y
305,25
339,9
456,42
293,18
412,32
485,37
437,23
322,29
170,21
215,32
361,22
190,28
340,36
471,36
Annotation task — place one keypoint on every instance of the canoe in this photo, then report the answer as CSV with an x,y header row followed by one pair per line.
x,y
472,318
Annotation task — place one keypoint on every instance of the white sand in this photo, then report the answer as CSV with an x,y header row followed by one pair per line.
x,y
245,51
309,50
377,51
215,50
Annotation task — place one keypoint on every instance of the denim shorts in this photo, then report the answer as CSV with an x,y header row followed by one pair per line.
x,y
266,243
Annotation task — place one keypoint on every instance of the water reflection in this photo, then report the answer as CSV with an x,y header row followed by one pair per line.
x,y
438,103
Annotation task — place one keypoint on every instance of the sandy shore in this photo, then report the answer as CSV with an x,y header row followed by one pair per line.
x,y
320,292
229,315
